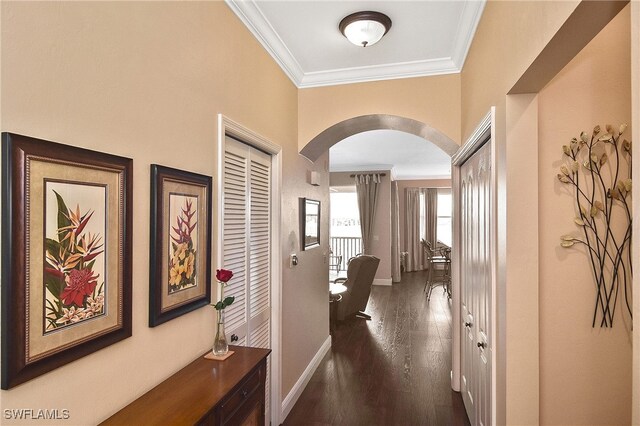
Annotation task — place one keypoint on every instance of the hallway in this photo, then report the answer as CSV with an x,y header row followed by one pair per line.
x,y
394,369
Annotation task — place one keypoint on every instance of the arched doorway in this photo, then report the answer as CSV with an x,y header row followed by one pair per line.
x,y
334,134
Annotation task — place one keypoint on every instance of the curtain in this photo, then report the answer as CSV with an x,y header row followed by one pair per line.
x,y
412,230
431,215
395,233
413,227
367,190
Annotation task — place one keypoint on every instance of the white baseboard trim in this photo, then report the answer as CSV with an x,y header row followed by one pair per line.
x,y
297,389
382,281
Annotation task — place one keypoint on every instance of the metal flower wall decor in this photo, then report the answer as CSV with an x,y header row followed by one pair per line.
x,y
597,169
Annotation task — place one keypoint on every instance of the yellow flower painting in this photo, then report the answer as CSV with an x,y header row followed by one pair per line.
x,y
183,245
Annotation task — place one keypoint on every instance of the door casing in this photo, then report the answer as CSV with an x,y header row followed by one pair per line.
x,y
228,127
485,130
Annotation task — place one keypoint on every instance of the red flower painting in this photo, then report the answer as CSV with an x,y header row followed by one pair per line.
x,y
71,284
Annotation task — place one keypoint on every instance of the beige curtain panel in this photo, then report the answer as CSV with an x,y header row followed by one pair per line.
x,y
367,186
431,215
395,233
416,231
412,230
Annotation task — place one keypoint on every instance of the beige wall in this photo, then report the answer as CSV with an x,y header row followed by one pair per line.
x,y
635,108
580,364
145,80
305,288
402,185
509,37
381,244
424,183
522,309
434,101
137,79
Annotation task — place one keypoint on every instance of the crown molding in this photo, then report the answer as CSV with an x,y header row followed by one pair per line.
x,y
469,21
253,18
379,72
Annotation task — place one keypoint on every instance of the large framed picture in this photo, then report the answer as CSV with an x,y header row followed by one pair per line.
x,y
310,223
66,254
180,259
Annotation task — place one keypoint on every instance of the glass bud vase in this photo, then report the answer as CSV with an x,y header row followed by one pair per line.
x,y
220,346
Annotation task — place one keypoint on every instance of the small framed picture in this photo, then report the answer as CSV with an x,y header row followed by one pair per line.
x,y
310,223
180,257
66,254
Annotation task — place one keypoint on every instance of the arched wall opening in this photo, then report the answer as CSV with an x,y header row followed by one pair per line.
x,y
384,224
334,134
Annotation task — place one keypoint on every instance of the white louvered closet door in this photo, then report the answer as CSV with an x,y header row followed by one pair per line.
x,y
246,249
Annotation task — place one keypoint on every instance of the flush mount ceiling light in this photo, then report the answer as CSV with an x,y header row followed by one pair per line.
x,y
365,28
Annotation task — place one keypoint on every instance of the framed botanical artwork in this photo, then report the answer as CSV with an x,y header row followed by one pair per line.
x,y
310,223
180,259
66,254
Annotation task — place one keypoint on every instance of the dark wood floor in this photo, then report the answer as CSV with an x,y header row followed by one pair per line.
x,y
391,370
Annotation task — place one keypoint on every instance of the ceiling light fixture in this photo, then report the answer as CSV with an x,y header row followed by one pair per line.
x,y
365,28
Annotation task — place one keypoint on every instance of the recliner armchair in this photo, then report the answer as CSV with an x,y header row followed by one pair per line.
x,y
360,274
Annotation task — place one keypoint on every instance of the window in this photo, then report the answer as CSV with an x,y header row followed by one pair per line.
x,y
345,219
443,227
444,216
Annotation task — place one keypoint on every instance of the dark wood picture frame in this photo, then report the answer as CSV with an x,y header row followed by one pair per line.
x,y
30,168
166,183
309,223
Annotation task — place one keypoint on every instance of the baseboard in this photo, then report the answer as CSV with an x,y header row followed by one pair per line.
x,y
382,281
297,389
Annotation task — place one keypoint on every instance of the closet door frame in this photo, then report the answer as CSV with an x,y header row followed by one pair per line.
x,y
486,129
228,127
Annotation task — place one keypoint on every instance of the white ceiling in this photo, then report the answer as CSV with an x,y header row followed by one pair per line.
x,y
407,155
426,38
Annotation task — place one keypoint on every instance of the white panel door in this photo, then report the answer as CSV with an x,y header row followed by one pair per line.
x,y
468,374
475,280
247,247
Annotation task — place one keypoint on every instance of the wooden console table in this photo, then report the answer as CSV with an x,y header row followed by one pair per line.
x,y
205,392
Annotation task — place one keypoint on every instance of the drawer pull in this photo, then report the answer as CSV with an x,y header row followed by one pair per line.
x,y
234,337
244,393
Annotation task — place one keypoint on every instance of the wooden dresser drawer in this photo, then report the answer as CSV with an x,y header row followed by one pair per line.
x,y
246,391
249,413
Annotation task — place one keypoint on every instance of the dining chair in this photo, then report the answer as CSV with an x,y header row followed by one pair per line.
x,y
439,268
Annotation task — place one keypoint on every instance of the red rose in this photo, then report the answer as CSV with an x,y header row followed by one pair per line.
x,y
223,275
